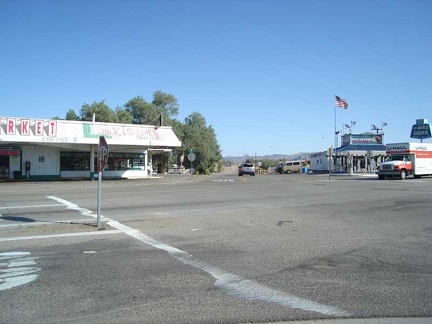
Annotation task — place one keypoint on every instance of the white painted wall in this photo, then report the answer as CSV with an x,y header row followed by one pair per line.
x,y
51,160
319,161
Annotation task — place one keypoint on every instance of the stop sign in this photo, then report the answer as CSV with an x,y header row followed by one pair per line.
x,y
103,153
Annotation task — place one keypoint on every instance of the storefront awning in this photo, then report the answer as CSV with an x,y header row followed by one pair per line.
x,y
362,149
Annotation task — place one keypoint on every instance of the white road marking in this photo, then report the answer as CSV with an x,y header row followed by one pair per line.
x,y
16,270
37,237
233,285
33,206
222,180
42,223
69,205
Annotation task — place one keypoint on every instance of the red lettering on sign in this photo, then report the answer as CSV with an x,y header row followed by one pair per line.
x,y
52,128
9,152
10,126
25,127
39,128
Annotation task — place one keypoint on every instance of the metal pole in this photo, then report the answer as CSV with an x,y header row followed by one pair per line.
x,y
99,194
92,155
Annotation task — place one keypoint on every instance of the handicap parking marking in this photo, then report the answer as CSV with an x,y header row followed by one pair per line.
x,y
16,269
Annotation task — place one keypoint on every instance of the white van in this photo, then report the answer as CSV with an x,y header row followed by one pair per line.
x,y
292,166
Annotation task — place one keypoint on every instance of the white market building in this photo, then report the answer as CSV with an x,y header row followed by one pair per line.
x,y
47,149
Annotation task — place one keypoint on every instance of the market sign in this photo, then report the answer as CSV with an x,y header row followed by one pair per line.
x,y
421,129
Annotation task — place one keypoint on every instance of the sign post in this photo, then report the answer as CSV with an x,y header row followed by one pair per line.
x,y
191,158
330,153
103,153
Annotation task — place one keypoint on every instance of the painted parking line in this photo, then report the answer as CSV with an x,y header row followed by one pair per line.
x,y
31,206
38,237
43,223
231,284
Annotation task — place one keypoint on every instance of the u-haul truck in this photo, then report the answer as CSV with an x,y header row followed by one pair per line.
x,y
406,159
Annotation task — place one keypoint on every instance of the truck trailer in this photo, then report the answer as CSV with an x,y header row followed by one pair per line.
x,y
405,159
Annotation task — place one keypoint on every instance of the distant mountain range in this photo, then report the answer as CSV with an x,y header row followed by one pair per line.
x,y
277,157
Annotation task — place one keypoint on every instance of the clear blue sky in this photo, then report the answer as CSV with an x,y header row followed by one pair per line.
x,y
262,73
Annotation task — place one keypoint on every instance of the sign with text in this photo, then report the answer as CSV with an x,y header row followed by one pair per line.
x,y
421,131
103,153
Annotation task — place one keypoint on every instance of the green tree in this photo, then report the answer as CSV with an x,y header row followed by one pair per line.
x,y
141,111
149,113
123,116
202,139
266,163
166,105
71,115
101,110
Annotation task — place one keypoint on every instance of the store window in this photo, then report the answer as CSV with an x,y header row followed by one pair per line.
x,y
80,161
125,161
74,161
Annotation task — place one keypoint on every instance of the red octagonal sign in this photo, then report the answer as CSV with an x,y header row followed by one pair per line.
x,y
103,153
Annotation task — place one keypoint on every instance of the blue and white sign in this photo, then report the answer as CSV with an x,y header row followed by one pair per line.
x,y
421,131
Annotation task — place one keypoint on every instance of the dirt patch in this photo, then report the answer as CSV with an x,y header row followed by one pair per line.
x,y
51,229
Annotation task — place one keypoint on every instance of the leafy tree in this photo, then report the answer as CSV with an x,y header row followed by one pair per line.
x,y
266,163
71,115
146,113
141,111
201,138
123,116
101,110
166,105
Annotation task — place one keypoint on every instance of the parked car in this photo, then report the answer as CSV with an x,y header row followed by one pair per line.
x,y
246,168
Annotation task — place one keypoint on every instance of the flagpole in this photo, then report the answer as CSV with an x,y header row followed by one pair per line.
x,y
334,124
335,135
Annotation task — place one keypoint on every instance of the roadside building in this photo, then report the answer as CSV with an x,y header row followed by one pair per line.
x,y
319,162
361,152
41,148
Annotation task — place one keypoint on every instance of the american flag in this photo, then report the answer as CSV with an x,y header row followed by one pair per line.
x,y
373,127
341,103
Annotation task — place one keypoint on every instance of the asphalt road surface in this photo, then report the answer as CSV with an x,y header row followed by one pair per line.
x,y
216,249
